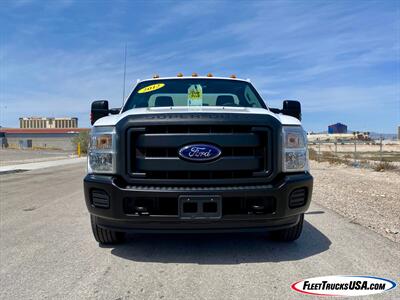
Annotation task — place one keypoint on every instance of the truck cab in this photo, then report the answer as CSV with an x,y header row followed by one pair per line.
x,y
196,154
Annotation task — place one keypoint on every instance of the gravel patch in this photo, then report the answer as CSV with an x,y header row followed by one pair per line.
x,y
366,197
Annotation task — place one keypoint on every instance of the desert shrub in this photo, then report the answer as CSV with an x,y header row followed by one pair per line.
x,y
331,158
83,138
334,160
326,155
384,166
347,161
312,154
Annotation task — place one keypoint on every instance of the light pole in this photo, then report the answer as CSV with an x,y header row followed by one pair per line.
x,y
3,108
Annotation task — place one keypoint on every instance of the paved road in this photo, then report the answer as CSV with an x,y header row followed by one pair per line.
x,y
47,251
22,156
40,165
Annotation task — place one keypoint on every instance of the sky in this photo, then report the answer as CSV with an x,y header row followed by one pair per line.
x,y
339,58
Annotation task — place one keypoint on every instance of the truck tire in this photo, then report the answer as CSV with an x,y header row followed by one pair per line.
x,y
289,234
105,236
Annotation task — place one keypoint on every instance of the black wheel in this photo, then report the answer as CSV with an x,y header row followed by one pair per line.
x,y
289,234
105,236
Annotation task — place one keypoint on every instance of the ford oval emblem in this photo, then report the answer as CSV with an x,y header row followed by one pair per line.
x,y
199,152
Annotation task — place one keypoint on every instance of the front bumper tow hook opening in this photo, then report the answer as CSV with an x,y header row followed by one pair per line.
x,y
142,210
258,209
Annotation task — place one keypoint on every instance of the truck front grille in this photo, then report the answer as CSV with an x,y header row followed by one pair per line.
x,y
153,152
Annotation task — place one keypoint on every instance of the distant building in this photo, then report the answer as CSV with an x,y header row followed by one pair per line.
x,y
41,122
337,128
40,138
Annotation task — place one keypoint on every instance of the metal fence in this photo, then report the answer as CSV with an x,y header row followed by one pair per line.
x,y
375,151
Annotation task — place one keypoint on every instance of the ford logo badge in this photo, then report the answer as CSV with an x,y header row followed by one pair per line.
x,y
199,152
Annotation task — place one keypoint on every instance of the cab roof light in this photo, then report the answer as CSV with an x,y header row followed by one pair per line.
x,y
194,74
233,76
179,75
156,76
209,75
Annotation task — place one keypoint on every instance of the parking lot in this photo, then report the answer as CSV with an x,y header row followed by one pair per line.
x,y
47,251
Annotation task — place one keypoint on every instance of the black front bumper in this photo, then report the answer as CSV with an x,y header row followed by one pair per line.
x,y
115,217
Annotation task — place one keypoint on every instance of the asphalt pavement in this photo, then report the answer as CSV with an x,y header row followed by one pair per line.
x,y
21,156
47,251
18,168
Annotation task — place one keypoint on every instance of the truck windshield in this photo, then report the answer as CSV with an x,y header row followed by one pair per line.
x,y
194,92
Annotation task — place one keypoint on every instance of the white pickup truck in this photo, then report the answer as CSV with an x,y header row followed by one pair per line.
x,y
197,154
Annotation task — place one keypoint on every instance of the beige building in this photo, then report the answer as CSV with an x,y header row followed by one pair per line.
x,y
40,138
41,122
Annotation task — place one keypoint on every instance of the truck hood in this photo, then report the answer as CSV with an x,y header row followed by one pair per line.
x,y
114,119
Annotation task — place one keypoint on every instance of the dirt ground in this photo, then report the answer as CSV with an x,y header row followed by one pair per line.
x,y
366,197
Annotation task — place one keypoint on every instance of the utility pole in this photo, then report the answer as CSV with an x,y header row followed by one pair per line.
x,y
336,146
355,151
319,149
123,91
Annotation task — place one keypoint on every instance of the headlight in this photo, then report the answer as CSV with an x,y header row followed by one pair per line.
x,y
294,156
101,157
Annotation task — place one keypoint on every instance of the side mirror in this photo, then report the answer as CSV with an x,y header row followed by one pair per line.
x,y
114,111
99,110
292,108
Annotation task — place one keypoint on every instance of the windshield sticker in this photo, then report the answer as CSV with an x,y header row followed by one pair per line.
x,y
151,88
195,95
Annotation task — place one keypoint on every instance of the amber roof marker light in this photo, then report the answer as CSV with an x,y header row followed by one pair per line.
x,y
209,75
233,76
194,74
156,76
179,75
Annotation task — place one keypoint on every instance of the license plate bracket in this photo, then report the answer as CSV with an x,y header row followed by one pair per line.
x,y
200,207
